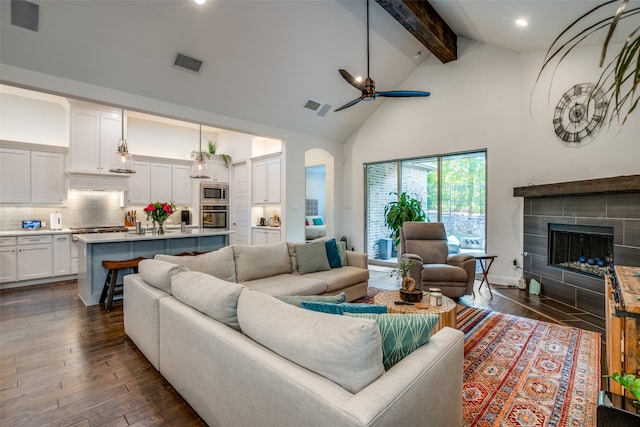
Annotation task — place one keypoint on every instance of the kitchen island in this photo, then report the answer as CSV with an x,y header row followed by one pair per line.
x,y
94,248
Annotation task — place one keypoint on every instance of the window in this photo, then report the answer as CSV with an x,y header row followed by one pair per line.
x,y
452,189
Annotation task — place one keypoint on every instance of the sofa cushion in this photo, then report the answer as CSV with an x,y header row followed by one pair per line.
x,y
159,273
339,348
214,297
256,262
312,257
297,299
330,308
340,278
332,253
401,333
218,263
288,284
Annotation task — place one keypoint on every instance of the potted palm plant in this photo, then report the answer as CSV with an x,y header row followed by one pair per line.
x,y
406,208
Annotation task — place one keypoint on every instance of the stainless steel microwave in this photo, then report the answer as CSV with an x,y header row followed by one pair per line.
x,y
214,194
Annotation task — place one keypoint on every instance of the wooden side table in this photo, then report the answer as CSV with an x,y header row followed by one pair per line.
x,y
446,312
485,263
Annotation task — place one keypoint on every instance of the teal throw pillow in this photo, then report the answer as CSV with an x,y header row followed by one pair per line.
x,y
318,221
343,308
297,299
332,253
342,250
401,333
312,257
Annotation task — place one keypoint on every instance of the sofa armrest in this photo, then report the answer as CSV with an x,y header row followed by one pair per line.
x,y
404,395
459,259
468,263
357,259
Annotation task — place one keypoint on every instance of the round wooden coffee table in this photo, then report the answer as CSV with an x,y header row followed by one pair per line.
x,y
446,312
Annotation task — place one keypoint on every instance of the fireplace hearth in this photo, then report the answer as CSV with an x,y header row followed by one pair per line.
x,y
580,248
571,227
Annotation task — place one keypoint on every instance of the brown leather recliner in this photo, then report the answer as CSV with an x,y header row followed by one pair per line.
x,y
426,243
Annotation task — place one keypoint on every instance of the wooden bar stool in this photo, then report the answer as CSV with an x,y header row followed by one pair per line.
x,y
109,289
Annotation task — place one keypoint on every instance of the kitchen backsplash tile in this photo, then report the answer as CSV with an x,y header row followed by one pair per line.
x,y
83,209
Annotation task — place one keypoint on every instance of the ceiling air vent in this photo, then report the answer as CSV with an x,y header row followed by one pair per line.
x,y
188,63
317,107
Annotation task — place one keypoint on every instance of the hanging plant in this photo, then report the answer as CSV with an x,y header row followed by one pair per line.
x,y
620,77
212,148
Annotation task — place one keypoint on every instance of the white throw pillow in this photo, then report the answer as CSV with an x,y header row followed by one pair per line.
x,y
217,263
216,298
159,273
345,352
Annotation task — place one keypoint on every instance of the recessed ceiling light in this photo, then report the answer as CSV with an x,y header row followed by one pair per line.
x,y
200,1
521,22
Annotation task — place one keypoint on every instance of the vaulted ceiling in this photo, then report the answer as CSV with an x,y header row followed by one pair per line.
x,y
262,59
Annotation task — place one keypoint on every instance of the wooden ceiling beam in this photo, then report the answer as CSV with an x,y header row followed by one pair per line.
x,y
422,20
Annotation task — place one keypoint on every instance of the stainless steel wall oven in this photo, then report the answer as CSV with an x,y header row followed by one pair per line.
x,y
215,216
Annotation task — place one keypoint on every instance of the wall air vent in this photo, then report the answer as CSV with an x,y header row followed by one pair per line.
x,y
188,63
317,107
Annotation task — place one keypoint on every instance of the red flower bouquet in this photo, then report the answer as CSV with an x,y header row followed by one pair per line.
x,y
159,212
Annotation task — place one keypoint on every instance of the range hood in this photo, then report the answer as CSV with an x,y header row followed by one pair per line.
x,y
97,182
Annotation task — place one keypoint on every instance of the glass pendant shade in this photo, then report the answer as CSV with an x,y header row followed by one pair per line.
x,y
122,161
199,168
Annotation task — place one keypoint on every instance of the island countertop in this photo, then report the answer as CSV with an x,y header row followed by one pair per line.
x,y
132,236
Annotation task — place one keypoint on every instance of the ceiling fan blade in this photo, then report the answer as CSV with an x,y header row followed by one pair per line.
x,y
349,104
351,80
402,93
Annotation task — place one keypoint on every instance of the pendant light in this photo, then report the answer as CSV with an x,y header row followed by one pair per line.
x,y
122,161
199,169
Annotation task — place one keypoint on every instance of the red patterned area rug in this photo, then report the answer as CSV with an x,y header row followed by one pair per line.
x,y
524,372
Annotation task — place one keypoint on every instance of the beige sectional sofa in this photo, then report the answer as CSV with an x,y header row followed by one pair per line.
x,y
241,357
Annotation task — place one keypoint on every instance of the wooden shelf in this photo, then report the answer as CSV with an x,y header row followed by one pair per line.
x,y
619,184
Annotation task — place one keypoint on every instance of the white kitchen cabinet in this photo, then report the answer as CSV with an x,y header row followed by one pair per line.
x,y
47,177
8,259
139,192
266,181
265,236
95,134
181,185
218,171
34,257
74,256
15,176
61,254
160,182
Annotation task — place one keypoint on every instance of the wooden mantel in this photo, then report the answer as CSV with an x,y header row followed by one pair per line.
x,y
618,184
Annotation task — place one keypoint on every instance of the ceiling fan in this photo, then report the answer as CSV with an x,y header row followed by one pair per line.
x,y
368,86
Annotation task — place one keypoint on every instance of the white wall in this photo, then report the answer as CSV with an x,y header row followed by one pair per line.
x,y
482,101
43,120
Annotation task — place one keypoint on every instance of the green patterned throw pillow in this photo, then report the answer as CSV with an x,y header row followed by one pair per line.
x,y
297,299
401,333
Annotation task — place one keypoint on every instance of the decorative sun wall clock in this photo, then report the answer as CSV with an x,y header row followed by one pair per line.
x,y
579,114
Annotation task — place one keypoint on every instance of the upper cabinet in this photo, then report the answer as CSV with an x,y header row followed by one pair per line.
x,y
47,177
15,176
94,138
266,180
160,182
31,177
218,171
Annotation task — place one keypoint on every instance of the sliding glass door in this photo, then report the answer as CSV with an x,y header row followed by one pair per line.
x,y
452,189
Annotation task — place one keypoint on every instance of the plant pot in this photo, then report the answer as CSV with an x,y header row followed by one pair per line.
x,y
411,296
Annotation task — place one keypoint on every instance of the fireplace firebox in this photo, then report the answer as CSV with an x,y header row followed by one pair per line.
x,y
581,248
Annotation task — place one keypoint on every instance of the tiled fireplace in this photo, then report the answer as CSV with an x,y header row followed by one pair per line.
x,y
574,230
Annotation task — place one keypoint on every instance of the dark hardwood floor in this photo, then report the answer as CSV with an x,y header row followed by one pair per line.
x,y
64,364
